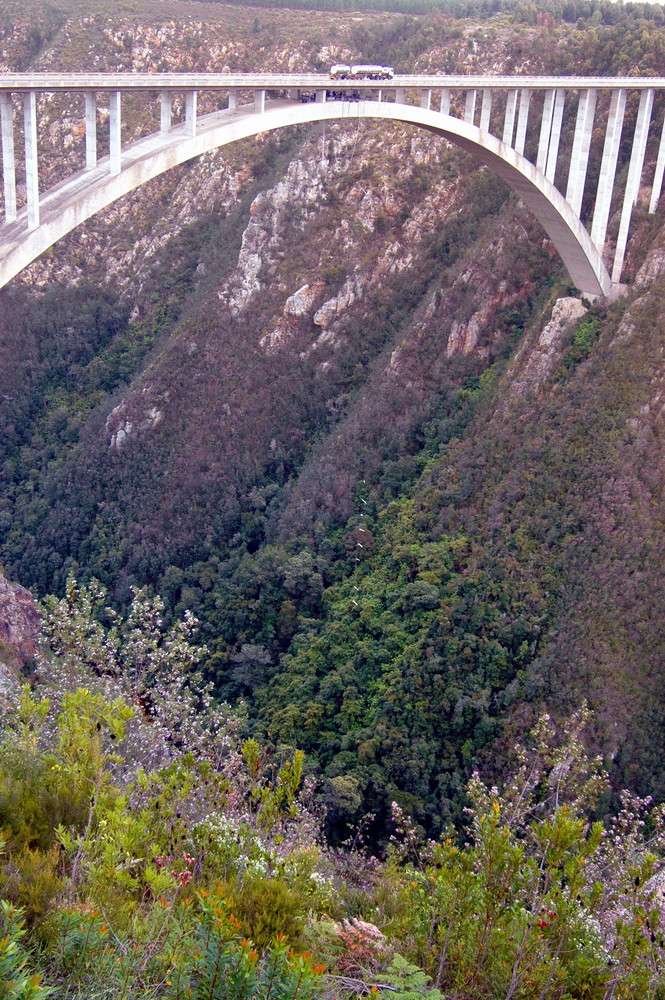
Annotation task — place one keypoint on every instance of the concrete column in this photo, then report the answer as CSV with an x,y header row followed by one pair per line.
x,y
191,100
470,106
31,160
90,130
8,161
509,120
165,111
444,106
522,120
115,104
293,93
379,96
658,176
425,99
634,177
545,131
259,101
233,99
579,158
486,110
400,95
608,166
555,135
321,96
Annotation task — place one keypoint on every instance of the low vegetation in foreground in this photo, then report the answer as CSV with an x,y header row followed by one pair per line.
x,y
148,851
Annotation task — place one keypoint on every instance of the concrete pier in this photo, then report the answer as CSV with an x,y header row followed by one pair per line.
x,y
165,111
115,124
470,107
633,181
190,112
522,120
90,130
31,158
555,133
8,162
579,159
545,130
608,168
658,176
486,110
509,120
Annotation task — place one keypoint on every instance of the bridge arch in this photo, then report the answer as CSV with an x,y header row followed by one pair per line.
x,y
68,204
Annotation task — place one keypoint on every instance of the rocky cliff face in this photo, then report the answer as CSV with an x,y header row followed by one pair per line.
x,y
19,629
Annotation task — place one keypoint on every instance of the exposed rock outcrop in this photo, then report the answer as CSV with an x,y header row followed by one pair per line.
x,y
301,302
19,628
351,290
533,364
134,415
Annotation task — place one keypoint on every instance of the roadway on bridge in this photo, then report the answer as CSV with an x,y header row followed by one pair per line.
x,y
18,82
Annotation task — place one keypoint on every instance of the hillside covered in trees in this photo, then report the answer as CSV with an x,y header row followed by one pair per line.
x,y
343,489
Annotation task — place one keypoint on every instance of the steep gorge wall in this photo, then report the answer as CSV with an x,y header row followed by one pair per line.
x,y
332,391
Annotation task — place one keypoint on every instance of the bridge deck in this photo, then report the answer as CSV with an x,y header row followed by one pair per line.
x,y
18,82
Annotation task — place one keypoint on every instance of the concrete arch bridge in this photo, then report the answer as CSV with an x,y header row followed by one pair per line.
x,y
494,118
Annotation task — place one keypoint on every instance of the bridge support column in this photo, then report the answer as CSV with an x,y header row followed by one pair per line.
x,y
425,99
555,135
321,96
165,111
470,107
90,130
379,97
190,112
400,95
634,177
115,121
580,155
233,100
8,162
259,101
31,162
509,120
658,176
545,131
444,106
522,120
486,111
608,168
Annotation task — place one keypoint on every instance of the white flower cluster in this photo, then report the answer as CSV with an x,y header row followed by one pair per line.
x,y
240,850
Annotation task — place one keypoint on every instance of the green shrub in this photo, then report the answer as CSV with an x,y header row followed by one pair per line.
x,y
17,982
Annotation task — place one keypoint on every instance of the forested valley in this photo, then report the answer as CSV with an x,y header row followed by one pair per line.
x,y
344,514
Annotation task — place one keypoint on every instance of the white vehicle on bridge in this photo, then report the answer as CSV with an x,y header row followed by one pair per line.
x,y
340,71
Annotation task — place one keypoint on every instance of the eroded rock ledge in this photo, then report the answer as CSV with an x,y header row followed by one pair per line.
x,y
19,628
